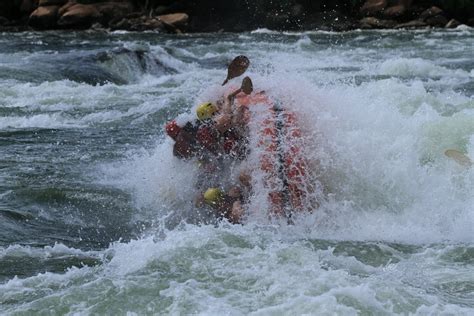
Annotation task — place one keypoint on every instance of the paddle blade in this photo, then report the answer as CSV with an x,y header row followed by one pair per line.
x,y
237,67
459,157
247,85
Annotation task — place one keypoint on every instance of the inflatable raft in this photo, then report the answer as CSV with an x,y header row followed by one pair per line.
x,y
278,146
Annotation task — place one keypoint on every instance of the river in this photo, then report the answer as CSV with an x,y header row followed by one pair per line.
x,y
96,215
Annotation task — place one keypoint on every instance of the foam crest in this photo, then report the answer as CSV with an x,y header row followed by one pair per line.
x,y
57,250
37,121
417,67
158,180
381,162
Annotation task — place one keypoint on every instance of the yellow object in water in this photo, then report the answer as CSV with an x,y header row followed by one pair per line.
x,y
459,157
213,195
206,111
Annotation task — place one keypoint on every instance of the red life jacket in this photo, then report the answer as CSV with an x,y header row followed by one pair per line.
x,y
208,137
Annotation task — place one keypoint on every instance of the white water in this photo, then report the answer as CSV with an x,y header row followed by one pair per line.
x,y
393,234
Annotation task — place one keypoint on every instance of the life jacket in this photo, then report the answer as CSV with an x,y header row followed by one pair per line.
x,y
234,144
185,143
208,137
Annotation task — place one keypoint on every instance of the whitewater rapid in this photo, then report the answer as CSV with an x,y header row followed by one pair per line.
x,y
96,213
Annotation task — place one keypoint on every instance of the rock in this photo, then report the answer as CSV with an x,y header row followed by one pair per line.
x,y
437,21
395,11
373,6
44,17
411,24
113,11
98,27
45,3
452,24
66,7
470,22
79,16
141,23
176,19
122,24
371,22
433,11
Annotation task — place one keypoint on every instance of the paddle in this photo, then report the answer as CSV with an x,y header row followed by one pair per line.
x,y
459,157
246,87
237,67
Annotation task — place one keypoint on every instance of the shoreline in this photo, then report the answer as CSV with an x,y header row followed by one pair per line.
x,y
210,17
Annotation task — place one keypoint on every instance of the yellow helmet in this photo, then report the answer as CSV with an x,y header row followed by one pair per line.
x,y
213,196
205,111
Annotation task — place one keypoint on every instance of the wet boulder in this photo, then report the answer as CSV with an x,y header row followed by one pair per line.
x,y
374,23
79,16
431,12
140,23
44,17
395,11
176,20
437,21
434,16
113,10
66,7
452,24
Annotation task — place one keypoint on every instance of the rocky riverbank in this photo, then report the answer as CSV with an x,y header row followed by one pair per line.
x,y
233,16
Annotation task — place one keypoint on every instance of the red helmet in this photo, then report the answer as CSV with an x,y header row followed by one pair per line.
x,y
172,129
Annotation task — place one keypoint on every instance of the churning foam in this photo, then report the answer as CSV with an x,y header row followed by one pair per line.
x,y
376,152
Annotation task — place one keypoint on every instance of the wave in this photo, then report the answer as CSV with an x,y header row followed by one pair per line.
x,y
417,67
120,66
